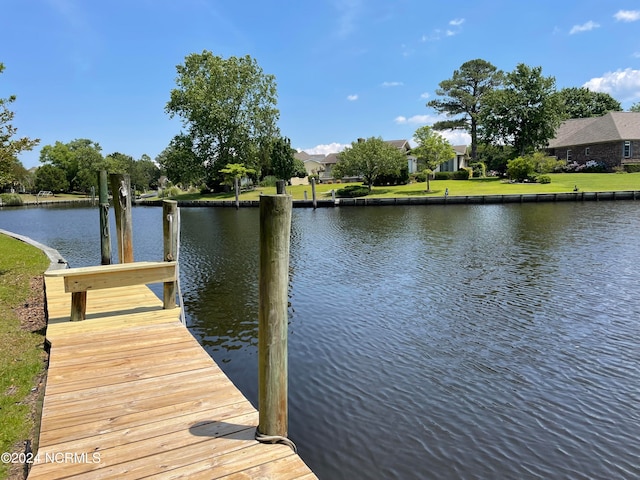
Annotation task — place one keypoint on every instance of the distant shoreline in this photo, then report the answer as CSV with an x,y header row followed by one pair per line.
x,y
439,200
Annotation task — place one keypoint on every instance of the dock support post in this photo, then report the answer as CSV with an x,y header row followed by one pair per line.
x,y
121,190
275,233
170,233
280,187
105,235
236,187
313,192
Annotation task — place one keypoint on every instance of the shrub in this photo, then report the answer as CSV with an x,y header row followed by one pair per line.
x,y
543,179
353,191
442,176
171,192
479,169
10,199
316,176
632,168
462,174
520,169
268,181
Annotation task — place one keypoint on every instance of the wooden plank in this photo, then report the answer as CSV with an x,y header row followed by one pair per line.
x,y
164,272
136,389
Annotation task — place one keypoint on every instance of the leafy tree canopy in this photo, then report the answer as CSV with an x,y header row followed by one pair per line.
x,y
236,171
583,103
282,160
79,159
11,168
369,159
635,107
432,150
463,96
525,113
180,162
228,107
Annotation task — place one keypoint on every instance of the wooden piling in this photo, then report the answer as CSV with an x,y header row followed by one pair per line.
x,y
170,234
105,234
236,186
280,187
121,190
313,192
275,232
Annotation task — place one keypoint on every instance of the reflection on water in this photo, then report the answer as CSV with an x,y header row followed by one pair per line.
x,y
480,341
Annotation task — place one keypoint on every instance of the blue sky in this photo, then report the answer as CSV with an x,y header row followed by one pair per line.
x,y
344,68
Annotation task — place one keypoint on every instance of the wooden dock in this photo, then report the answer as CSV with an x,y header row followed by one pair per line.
x,y
131,394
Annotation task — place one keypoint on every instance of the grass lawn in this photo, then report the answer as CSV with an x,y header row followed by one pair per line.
x,y
560,182
22,355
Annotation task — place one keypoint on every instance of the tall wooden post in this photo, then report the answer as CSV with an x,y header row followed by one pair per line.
x,y
313,192
280,187
275,233
105,235
236,185
121,190
170,233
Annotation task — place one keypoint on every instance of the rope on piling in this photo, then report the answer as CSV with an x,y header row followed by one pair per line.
x,y
262,438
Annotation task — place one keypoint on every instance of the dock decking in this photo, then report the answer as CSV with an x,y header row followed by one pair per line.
x,y
131,394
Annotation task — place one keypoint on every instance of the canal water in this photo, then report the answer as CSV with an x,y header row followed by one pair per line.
x,y
425,342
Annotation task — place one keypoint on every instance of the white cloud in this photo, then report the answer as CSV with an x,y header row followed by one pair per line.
x,y
456,137
424,95
416,119
456,22
627,15
352,98
621,84
585,27
392,84
328,148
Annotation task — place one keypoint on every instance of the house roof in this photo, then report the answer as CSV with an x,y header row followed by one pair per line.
x,y
612,127
460,149
401,144
331,158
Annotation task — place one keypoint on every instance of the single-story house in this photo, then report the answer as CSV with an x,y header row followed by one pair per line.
x,y
612,140
457,162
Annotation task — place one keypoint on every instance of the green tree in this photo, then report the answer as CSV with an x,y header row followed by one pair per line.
x,y
432,150
369,159
145,173
583,103
464,95
282,159
51,178
180,162
80,160
228,107
10,167
525,113
635,107
236,171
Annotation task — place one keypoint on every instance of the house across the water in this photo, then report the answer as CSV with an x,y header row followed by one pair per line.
x,y
612,140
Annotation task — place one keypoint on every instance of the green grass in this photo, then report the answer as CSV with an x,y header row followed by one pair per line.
x,y
21,355
560,182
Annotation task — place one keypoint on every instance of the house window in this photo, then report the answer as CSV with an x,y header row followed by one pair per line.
x,y
627,149
586,151
569,157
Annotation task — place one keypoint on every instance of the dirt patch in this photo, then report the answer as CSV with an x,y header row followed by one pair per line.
x,y
31,313
32,319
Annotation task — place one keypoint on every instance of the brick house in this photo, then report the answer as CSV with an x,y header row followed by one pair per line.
x,y
612,140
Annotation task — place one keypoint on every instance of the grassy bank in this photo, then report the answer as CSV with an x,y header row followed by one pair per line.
x,y
560,183
22,354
